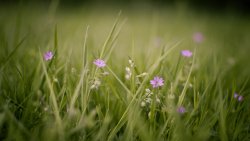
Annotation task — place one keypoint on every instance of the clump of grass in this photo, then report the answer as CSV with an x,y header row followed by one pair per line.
x,y
54,87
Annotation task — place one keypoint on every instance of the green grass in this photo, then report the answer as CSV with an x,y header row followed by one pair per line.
x,y
53,100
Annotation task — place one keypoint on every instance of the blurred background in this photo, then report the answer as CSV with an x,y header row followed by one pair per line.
x,y
242,6
147,23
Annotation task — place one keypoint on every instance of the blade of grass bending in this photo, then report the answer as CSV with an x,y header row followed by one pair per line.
x,y
244,84
163,129
78,87
110,51
119,80
12,53
62,92
120,123
183,93
115,93
112,43
222,115
110,35
134,70
54,60
177,66
52,95
55,40
85,98
84,60
19,124
84,52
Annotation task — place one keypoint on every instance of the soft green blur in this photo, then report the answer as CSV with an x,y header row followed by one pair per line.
x,y
53,100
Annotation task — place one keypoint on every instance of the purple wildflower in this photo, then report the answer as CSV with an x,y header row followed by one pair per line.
x,y
157,82
240,98
99,63
48,55
181,110
235,95
186,53
198,37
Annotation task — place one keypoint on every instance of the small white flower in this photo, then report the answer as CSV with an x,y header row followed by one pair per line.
x,y
131,63
149,114
148,100
148,90
143,104
127,76
128,73
127,69
148,93
96,84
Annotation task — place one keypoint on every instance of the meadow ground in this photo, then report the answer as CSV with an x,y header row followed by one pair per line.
x,y
53,87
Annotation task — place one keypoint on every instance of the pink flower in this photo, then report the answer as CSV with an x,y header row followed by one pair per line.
x,y
157,82
186,53
198,37
181,110
99,63
238,97
235,95
48,55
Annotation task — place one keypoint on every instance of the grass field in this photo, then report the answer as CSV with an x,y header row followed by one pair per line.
x,y
67,96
